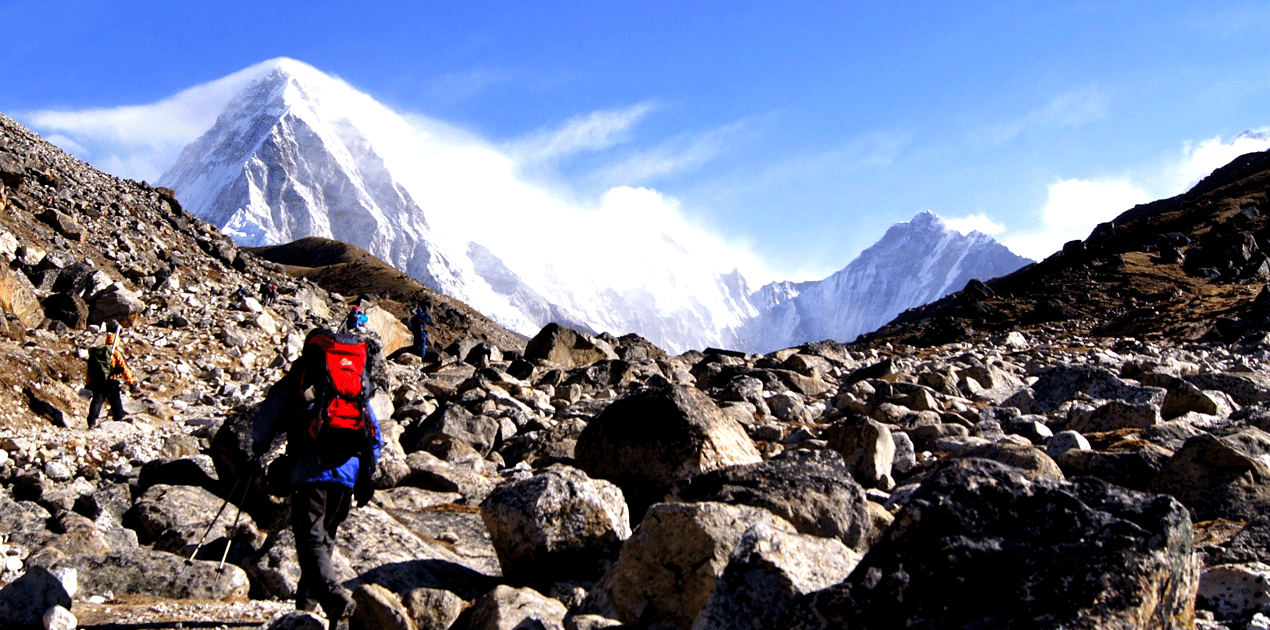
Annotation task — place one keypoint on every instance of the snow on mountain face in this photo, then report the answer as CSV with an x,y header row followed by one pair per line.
x,y
914,263
287,159
298,153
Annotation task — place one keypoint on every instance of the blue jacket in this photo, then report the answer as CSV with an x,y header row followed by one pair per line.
x,y
275,415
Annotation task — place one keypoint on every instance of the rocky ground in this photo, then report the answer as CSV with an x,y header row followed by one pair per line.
x,y
952,470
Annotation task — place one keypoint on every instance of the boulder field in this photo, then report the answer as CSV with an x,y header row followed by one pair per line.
x,y
1040,478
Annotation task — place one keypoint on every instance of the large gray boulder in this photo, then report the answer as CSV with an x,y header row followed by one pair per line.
x,y
275,572
810,489
557,525
176,518
18,297
393,335
380,608
1133,464
1114,415
768,571
459,527
982,545
866,447
653,438
24,601
1220,477
24,524
478,431
668,568
567,347
434,608
1025,457
429,472
381,549
1064,382
391,467
115,303
507,608
145,571
1246,388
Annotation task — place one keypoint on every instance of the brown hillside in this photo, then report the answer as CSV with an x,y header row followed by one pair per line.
x,y
1186,268
352,271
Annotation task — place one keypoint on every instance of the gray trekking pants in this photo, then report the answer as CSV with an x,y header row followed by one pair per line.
x,y
316,513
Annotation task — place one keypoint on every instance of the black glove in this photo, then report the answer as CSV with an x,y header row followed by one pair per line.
x,y
362,492
254,467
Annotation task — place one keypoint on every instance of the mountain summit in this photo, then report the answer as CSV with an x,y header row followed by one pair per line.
x,y
298,153
915,262
290,157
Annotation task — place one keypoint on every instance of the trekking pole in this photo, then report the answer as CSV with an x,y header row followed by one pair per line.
x,y
207,531
114,345
234,531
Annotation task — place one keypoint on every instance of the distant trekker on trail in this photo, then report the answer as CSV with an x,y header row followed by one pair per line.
x,y
105,364
268,293
333,444
356,319
419,323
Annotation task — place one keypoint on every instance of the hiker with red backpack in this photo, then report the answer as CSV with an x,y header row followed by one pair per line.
x,y
105,366
333,444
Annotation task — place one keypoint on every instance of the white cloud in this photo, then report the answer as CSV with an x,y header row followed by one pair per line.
x,y
596,131
975,223
456,87
1074,207
679,154
470,188
1198,160
141,141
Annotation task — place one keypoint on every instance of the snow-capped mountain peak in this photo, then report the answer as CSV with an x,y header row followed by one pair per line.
x,y
299,153
915,262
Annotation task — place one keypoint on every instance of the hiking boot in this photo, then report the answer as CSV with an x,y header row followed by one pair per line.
x,y
306,603
339,606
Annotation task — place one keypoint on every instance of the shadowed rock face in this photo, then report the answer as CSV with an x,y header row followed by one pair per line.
x,y
653,438
812,490
1084,554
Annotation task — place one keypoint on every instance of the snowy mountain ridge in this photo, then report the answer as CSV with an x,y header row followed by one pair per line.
x,y
299,153
915,262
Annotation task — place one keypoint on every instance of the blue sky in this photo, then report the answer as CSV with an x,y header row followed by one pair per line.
x,y
798,131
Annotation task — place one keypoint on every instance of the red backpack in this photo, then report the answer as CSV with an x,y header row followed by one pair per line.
x,y
335,385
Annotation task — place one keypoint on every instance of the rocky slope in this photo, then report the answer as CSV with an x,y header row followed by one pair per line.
x,y
1083,479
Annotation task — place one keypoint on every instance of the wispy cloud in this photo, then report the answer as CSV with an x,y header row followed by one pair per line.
x,y
1071,109
141,141
808,168
682,153
477,190
596,131
451,88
